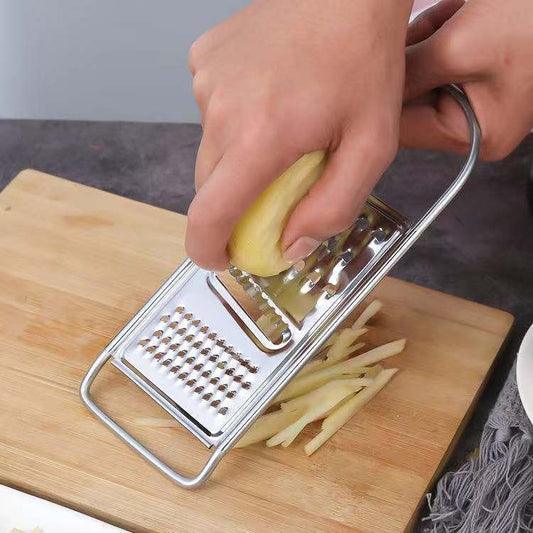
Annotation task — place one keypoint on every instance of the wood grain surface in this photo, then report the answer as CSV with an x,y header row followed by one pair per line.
x,y
76,264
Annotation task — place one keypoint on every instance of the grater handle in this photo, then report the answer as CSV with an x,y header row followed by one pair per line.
x,y
414,232
451,192
179,479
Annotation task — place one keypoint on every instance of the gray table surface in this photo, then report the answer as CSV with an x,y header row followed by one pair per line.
x,y
481,248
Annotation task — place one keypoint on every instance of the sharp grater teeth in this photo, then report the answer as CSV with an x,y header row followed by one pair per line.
x,y
200,364
265,304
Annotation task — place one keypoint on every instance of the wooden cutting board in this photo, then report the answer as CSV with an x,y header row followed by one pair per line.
x,y
76,263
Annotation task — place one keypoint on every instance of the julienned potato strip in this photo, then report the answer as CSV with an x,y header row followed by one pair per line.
x,y
267,426
307,400
372,309
350,367
342,414
338,351
334,392
332,389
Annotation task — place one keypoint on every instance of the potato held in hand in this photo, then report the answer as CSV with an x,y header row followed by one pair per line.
x,y
255,245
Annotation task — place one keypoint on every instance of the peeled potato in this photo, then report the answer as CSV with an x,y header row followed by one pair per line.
x,y
255,245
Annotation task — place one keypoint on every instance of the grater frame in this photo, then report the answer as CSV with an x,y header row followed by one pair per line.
x,y
340,307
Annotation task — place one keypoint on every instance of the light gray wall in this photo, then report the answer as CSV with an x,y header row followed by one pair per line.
x,y
101,59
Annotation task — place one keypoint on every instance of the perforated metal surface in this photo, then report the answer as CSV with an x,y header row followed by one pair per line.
x,y
196,348
199,358
204,373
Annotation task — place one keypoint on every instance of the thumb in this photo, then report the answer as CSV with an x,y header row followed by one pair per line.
x,y
334,201
438,126
425,68
444,57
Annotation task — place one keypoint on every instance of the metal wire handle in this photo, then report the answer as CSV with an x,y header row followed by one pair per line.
x,y
415,231
409,238
179,479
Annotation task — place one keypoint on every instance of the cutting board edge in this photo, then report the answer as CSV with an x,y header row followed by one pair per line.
x,y
415,518
29,175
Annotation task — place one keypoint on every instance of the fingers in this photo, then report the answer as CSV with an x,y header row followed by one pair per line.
x,y
237,180
335,200
427,66
480,49
430,20
442,126
207,158
448,55
433,120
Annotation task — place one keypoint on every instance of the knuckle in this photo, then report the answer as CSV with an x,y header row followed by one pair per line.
x,y
216,113
494,148
459,141
390,149
194,53
335,220
205,216
380,141
199,219
200,86
195,218
253,136
450,50
201,255
260,133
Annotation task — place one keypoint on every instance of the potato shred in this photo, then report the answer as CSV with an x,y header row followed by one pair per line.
x,y
332,388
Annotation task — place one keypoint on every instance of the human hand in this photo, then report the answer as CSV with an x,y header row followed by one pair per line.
x,y
286,77
487,47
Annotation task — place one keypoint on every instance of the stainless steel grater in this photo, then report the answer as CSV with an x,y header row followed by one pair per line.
x,y
214,365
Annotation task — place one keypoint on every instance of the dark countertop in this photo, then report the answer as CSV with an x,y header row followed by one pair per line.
x,y
481,248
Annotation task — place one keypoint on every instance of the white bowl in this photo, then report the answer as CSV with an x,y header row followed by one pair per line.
x,y
524,373
23,511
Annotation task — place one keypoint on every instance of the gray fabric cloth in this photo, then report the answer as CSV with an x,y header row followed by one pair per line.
x,y
493,491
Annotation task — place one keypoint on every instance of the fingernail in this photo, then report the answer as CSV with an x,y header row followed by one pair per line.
x,y
300,249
